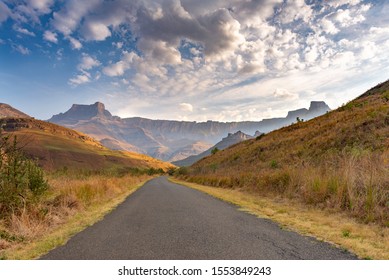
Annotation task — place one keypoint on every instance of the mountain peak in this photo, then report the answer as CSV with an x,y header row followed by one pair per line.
x,y
319,105
82,112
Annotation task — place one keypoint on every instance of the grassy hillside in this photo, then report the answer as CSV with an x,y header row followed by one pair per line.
x,y
338,161
56,147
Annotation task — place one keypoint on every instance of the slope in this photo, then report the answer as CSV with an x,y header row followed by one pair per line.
x,y
226,142
57,147
339,160
8,111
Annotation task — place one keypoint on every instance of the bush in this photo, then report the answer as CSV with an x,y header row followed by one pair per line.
x,y
214,150
21,180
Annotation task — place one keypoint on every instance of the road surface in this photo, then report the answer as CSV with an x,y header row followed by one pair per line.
x,y
163,220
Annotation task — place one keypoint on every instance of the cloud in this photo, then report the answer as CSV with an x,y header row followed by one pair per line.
x,y
23,31
295,10
284,94
339,3
186,107
88,62
95,31
4,12
21,49
328,26
74,43
67,19
119,68
79,80
50,37
43,6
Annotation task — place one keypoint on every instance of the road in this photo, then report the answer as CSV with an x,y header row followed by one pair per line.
x,y
163,220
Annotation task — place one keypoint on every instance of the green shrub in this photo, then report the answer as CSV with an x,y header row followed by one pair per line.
x,y
21,180
215,150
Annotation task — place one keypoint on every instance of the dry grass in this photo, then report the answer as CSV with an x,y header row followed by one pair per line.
x,y
73,203
56,147
368,241
339,161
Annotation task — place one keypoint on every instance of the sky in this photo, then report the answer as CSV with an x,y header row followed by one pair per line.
x,y
197,60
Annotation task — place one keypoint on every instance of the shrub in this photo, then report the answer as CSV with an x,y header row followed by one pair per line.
x,y
21,180
215,150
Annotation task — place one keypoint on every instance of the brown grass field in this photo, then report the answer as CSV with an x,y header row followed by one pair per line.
x,y
339,161
74,201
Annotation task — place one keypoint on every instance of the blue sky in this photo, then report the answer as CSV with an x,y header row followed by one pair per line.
x,y
190,60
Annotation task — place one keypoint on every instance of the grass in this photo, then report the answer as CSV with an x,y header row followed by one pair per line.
x,y
368,241
74,202
56,147
339,161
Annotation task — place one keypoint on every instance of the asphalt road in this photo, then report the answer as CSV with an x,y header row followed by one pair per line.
x,y
163,220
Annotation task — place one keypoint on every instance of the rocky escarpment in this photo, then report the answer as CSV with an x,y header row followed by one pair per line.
x,y
164,139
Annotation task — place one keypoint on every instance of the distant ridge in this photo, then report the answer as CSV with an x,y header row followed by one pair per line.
x,y
164,139
226,142
6,111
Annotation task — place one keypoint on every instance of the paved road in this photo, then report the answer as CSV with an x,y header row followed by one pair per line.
x,y
163,220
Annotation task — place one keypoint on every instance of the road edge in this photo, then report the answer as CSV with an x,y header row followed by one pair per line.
x,y
365,241
61,235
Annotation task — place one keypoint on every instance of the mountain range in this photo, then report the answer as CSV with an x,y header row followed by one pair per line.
x,y
231,139
164,139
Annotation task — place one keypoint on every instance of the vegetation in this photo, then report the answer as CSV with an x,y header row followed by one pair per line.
x,y
73,202
82,181
21,181
368,241
215,150
339,161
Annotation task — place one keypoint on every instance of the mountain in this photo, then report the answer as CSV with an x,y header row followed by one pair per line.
x,y
57,147
164,139
231,139
338,161
8,111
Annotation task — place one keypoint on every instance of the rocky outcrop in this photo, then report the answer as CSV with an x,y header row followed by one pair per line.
x,y
168,140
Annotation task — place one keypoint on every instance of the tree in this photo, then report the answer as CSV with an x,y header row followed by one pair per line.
x,y
21,179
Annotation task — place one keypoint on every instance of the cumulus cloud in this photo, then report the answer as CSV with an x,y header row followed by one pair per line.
x,y
295,10
328,26
79,80
75,44
186,107
43,6
88,62
50,36
69,17
95,31
221,49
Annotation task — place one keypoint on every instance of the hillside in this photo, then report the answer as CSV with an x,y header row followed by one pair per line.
x,y
226,142
8,111
339,160
163,139
57,147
